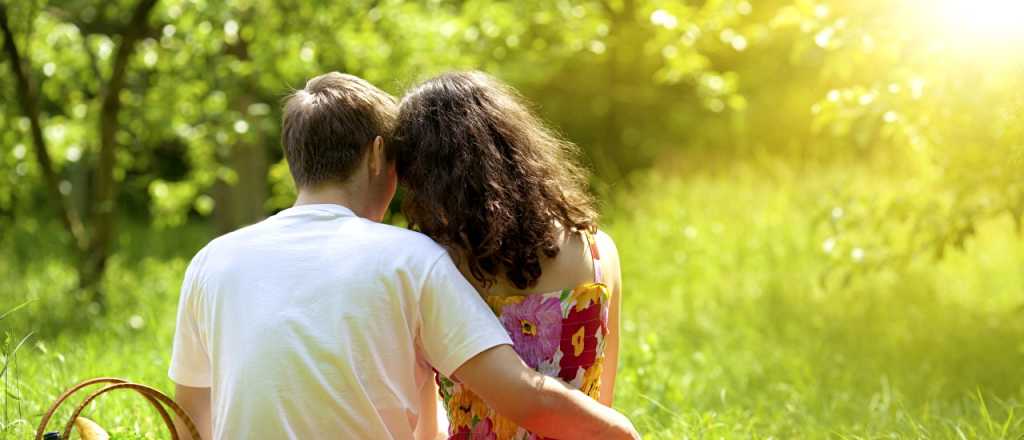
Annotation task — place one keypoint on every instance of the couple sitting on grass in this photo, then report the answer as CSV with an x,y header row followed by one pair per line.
x,y
321,322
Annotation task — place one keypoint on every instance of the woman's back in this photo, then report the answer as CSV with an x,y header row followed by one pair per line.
x,y
488,180
565,332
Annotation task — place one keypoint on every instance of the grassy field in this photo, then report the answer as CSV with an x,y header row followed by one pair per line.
x,y
746,316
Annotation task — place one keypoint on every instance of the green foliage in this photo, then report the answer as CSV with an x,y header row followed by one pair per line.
x,y
944,108
633,81
11,396
208,77
70,343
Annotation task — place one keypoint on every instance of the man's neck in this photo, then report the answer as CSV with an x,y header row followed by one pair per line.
x,y
332,194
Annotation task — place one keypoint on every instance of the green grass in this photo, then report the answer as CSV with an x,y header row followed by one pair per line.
x,y
736,328
737,322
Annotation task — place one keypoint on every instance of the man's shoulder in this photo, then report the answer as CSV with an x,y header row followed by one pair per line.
x,y
396,242
409,241
233,238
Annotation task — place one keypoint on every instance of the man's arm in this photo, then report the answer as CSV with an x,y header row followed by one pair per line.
x,y
462,338
195,402
537,402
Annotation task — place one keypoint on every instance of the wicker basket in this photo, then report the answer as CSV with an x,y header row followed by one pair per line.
x,y
158,400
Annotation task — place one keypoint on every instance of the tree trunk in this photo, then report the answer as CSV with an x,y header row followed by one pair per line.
x,y
28,98
242,203
250,192
106,185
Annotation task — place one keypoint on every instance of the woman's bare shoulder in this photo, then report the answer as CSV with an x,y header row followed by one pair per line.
x,y
574,264
609,259
571,267
606,246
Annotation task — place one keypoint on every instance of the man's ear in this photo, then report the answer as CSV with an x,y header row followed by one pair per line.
x,y
378,157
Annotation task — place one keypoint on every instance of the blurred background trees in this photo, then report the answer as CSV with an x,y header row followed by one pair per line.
x,y
155,112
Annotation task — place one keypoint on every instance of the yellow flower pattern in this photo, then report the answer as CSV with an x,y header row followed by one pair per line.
x,y
463,407
504,428
589,293
577,341
592,379
498,302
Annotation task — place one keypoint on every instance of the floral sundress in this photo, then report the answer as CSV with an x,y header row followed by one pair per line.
x,y
560,334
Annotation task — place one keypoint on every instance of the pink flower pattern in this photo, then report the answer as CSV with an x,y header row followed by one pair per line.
x,y
535,326
484,430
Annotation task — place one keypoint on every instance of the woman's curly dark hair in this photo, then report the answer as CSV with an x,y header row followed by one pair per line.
x,y
486,178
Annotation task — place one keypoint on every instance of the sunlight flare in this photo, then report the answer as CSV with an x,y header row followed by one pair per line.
x,y
984,21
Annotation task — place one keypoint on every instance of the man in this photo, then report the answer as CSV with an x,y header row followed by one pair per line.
x,y
320,322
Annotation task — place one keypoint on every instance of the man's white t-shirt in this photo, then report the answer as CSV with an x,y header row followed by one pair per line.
x,y
316,323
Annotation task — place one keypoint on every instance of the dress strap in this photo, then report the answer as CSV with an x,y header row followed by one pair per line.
x,y
595,255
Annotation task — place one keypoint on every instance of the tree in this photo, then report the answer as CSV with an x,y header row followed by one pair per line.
x,y
92,233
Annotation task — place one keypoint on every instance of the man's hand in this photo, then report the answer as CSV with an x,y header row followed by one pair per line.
x,y
542,404
195,402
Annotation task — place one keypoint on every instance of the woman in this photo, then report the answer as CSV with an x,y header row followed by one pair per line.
x,y
486,179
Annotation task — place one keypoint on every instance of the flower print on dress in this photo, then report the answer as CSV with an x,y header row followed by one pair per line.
x,y
498,303
579,342
559,334
535,326
592,379
552,365
589,294
461,434
484,430
463,408
505,428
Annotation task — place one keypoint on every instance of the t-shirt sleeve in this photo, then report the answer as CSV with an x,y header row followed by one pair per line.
x,y
190,361
455,322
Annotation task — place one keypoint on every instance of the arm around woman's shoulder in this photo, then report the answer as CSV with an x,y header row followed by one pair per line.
x,y
544,405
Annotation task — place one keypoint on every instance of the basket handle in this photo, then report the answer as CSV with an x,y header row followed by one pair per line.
x,y
156,398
